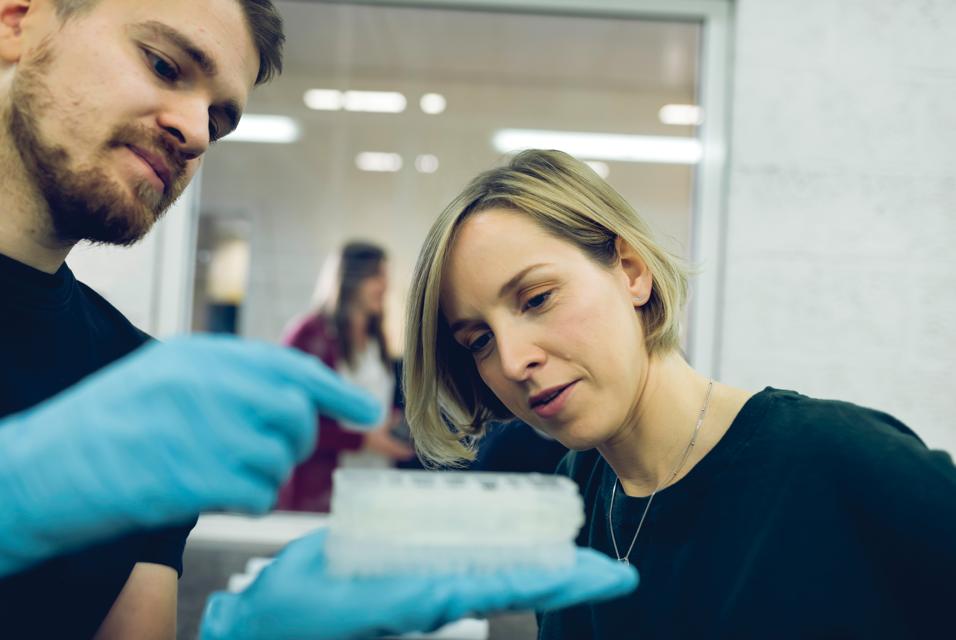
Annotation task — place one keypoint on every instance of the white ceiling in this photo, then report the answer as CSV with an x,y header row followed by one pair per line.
x,y
497,70
439,45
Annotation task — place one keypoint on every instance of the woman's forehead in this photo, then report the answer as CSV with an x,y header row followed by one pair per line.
x,y
491,250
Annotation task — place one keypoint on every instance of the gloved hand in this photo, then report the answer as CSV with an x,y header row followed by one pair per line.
x,y
192,425
294,597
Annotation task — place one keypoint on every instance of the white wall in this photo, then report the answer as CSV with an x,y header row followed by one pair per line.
x,y
304,200
841,273
150,282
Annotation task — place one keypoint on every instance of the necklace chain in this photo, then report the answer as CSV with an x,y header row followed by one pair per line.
x,y
680,464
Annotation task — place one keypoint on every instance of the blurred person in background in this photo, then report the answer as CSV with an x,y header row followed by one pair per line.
x,y
346,332
541,295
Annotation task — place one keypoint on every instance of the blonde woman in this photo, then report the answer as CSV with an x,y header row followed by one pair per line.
x,y
540,294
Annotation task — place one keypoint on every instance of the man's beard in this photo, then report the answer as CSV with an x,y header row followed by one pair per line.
x,y
84,202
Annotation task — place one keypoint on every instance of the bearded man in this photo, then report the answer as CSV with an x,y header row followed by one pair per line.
x,y
106,109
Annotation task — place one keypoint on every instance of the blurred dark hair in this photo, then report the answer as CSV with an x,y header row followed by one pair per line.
x,y
342,276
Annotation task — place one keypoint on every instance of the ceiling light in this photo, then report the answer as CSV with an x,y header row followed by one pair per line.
x,y
602,146
433,103
599,168
265,128
374,101
324,99
426,163
363,101
681,114
378,161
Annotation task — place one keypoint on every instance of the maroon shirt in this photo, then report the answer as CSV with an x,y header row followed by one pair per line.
x,y
310,487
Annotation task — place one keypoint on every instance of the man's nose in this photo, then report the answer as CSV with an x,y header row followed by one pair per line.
x,y
187,122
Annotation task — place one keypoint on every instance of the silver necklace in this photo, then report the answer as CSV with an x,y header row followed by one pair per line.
x,y
693,440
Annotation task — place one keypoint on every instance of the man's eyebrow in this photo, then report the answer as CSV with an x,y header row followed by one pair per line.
x,y
231,108
183,43
506,288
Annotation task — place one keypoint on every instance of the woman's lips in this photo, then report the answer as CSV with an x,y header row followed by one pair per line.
x,y
554,404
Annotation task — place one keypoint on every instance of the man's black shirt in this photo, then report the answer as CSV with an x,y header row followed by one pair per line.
x,y
809,519
56,331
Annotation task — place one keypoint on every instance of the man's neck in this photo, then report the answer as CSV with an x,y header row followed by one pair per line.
x,y
26,233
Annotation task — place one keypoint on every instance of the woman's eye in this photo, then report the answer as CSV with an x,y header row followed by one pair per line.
x,y
537,301
479,343
213,131
162,67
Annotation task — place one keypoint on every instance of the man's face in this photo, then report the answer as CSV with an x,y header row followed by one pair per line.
x,y
112,110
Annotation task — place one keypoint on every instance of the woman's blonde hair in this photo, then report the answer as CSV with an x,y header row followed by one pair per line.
x,y
447,403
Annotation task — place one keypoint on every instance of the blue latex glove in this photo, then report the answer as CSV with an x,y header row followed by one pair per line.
x,y
294,597
192,425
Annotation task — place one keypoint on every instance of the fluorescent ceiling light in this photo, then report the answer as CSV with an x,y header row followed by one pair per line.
x,y
378,161
426,163
681,114
602,146
599,168
324,99
265,128
433,103
374,101
364,101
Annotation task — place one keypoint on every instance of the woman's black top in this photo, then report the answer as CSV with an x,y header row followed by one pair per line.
x,y
809,519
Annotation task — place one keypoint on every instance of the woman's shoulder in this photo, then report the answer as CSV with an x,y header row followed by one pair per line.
x,y
845,438
313,333
831,419
306,323
584,467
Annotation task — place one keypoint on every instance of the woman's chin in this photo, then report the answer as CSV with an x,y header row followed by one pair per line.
x,y
577,439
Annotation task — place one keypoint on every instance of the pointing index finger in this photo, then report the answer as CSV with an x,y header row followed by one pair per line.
x,y
331,395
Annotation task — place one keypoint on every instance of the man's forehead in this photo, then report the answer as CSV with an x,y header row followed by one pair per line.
x,y
218,30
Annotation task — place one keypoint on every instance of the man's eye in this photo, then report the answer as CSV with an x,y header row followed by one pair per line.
x,y
162,67
479,343
537,301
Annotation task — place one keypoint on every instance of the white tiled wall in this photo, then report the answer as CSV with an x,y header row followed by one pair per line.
x,y
841,273
150,282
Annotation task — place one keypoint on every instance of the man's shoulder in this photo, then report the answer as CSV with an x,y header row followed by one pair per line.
x,y
107,320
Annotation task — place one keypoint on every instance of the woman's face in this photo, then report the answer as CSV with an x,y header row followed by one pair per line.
x,y
554,334
371,292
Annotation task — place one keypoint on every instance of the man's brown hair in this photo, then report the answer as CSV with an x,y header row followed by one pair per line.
x,y
265,23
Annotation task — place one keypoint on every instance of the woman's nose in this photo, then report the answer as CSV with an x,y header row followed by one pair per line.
x,y
519,356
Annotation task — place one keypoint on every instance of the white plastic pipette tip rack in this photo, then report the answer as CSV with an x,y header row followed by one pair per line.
x,y
391,521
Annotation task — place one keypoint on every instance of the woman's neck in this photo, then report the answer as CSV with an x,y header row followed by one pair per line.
x,y
645,453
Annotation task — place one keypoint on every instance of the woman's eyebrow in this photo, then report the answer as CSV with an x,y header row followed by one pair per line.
x,y
506,289
509,286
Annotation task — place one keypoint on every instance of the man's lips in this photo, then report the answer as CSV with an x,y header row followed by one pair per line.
x,y
159,166
548,394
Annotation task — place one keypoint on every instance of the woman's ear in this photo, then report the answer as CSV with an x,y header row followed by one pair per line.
x,y
12,13
637,276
